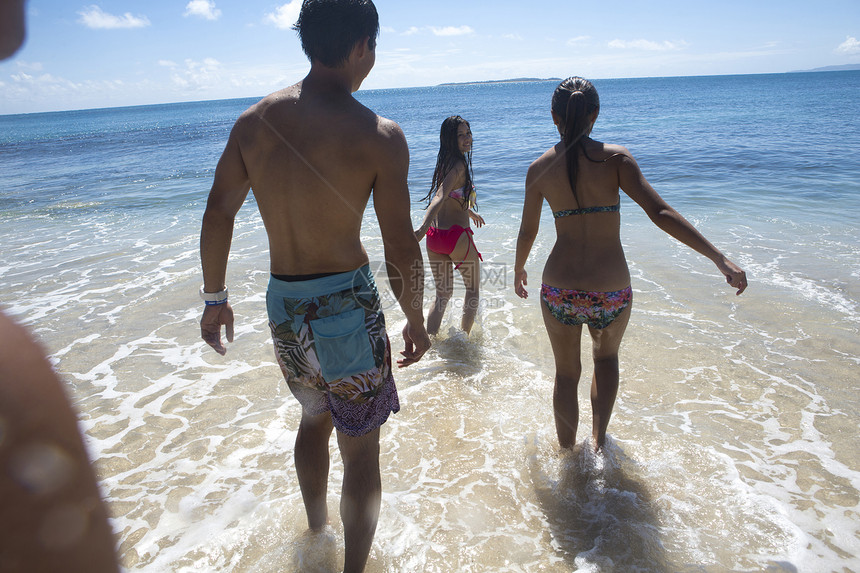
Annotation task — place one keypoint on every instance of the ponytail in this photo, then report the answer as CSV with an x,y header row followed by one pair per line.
x,y
574,129
580,101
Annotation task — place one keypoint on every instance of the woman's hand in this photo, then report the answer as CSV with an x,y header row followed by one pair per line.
x,y
477,219
735,276
520,280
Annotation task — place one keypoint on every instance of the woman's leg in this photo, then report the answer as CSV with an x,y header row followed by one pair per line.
x,y
443,276
604,383
565,341
470,270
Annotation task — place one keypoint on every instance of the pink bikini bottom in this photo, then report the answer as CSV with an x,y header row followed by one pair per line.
x,y
443,241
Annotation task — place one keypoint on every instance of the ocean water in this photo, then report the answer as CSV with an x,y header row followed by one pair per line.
x,y
733,444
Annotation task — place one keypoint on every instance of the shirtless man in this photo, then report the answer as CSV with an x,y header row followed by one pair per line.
x,y
313,156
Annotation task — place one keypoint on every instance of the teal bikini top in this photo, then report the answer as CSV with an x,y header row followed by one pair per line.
x,y
587,210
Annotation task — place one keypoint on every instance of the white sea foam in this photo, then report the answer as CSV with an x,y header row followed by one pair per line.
x,y
455,492
727,446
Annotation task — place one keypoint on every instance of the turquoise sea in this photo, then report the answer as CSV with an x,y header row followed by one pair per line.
x,y
733,445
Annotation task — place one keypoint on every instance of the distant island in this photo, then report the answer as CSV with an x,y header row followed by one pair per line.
x,y
842,68
510,81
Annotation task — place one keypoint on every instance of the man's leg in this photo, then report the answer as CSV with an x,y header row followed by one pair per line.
x,y
312,463
361,496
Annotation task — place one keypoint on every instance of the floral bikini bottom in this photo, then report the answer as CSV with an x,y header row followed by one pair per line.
x,y
575,307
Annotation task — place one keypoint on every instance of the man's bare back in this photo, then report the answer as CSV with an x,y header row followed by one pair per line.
x,y
314,155
313,158
311,177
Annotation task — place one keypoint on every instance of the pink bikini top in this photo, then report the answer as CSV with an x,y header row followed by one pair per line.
x,y
459,194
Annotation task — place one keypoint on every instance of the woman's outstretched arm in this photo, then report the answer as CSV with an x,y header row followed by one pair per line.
x,y
669,220
448,183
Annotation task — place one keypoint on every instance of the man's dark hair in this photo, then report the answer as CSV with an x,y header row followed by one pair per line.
x,y
329,29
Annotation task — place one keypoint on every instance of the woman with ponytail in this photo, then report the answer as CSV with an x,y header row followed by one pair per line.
x,y
451,206
585,278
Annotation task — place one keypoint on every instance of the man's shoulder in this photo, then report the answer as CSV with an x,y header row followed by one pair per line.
x,y
376,129
264,105
388,128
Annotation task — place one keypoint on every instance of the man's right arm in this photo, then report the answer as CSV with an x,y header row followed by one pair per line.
x,y
229,190
402,251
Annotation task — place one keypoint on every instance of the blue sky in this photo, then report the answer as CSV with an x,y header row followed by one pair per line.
x,y
102,53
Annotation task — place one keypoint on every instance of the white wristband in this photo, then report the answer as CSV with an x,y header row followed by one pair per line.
x,y
213,298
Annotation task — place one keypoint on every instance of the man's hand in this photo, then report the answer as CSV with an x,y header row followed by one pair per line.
x,y
210,325
417,343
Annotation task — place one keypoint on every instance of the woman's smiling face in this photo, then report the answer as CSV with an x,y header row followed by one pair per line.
x,y
464,138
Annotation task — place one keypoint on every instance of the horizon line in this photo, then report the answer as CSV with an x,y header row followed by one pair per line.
x,y
825,69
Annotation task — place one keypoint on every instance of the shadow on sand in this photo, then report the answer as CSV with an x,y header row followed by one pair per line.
x,y
310,552
600,516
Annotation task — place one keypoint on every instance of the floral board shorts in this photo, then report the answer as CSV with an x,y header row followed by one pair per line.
x,y
332,347
575,307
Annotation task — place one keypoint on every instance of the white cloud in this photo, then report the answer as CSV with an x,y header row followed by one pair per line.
x,y
23,91
850,46
452,31
285,15
647,45
203,8
32,66
411,31
196,75
97,19
47,87
578,40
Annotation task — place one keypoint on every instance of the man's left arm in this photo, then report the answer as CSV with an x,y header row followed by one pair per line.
x,y
402,252
229,190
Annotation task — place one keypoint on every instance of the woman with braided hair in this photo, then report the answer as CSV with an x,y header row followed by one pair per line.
x,y
586,279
